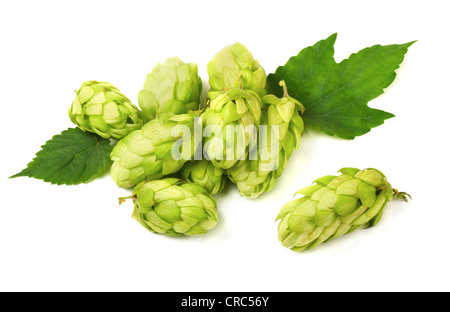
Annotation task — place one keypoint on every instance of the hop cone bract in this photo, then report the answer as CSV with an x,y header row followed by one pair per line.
x,y
100,107
171,87
334,206
146,154
234,67
170,206
255,176
236,112
205,174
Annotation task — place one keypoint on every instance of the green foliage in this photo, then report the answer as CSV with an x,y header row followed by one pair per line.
x,y
72,157
335,95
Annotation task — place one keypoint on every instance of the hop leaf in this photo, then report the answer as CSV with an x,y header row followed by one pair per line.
x,y
72,157
335,95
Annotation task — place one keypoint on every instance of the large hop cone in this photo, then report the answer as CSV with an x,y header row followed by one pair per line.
x,y
230,124
171,87
175,208
334,206
260,173
100,107
148,153
234,67
205,174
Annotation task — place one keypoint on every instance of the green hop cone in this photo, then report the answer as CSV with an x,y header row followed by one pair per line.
x,y
234,67
205,174
255,176
334,206
170,206
101,108
147,153
171,87
236,112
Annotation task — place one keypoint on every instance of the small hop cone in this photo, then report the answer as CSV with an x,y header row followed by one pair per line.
x,y
101,108
146,154
334,206
205,174
235,67
173,207
254,177
240,109
171,87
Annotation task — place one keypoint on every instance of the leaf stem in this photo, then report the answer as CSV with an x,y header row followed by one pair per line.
x,y
285,90
123,199
202,109
401,195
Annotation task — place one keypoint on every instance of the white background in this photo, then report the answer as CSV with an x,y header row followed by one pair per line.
x,y
77,238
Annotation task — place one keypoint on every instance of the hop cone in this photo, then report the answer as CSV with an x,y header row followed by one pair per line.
x,y
334,206
205,174
255,176
234,67
240,109
146,154
171,87
172,207
101,108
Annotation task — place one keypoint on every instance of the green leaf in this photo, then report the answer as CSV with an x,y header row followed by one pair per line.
x,y
335,95
72,157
